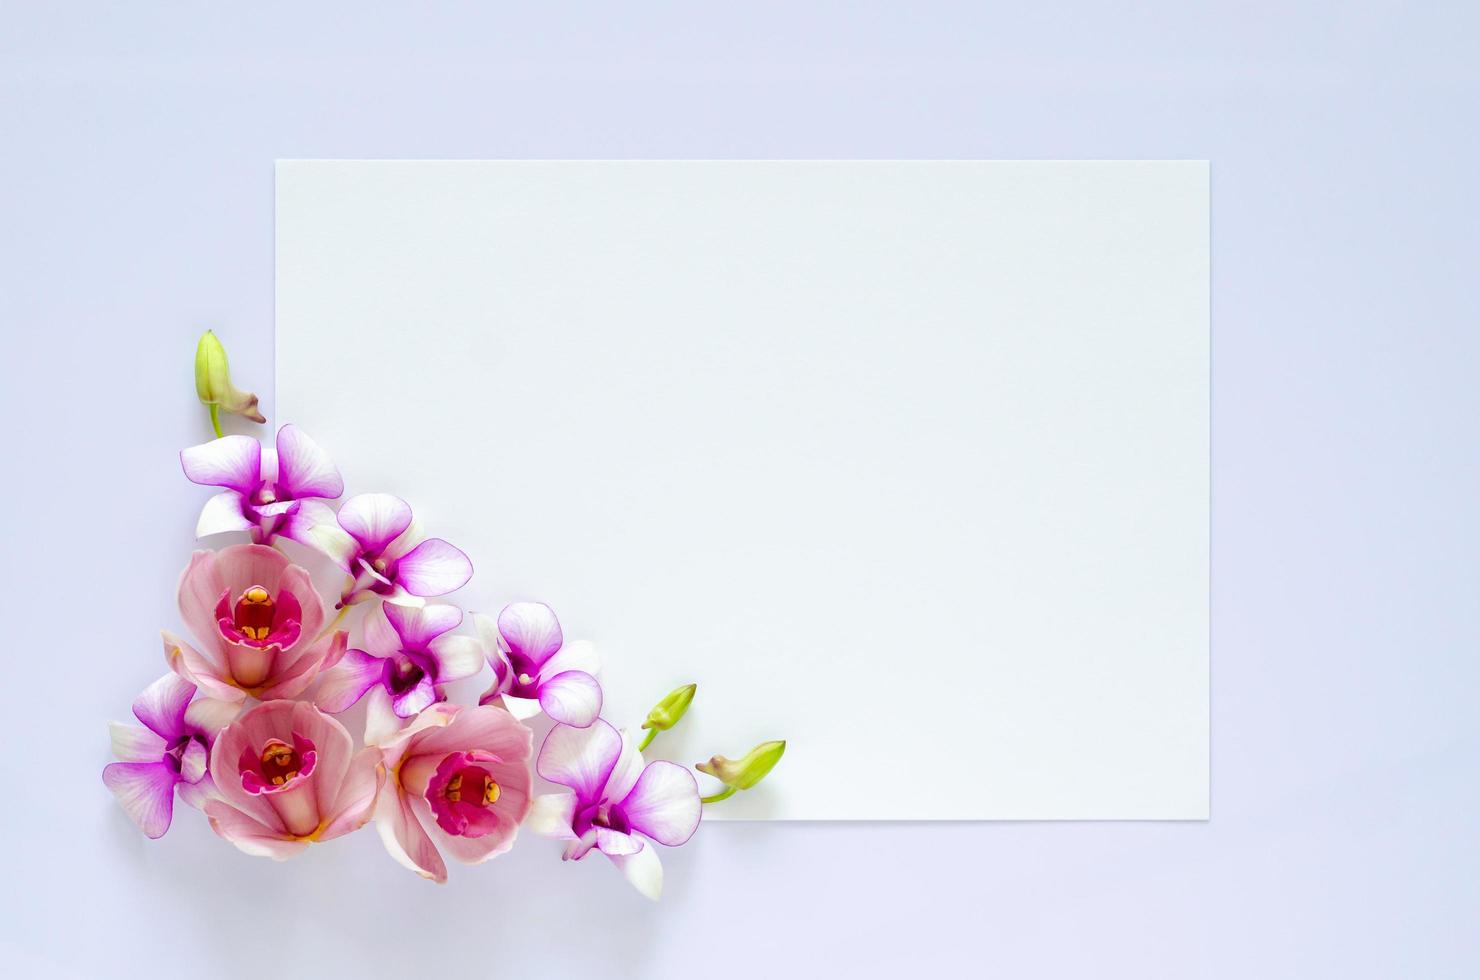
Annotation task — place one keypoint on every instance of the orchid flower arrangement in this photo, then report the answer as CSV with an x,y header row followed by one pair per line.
x,y
246,727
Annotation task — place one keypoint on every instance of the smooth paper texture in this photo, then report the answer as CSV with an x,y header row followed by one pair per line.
x,y
903,462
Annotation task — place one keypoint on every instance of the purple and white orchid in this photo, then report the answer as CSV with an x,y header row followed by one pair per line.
x,y
170,752
376,542
267,492
617,805
410,652
535,670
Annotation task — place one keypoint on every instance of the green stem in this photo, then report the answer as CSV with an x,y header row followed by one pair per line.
x,y
652,734
215,418
728,792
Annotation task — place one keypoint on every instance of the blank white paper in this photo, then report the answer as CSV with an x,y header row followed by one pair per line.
x,y
903,462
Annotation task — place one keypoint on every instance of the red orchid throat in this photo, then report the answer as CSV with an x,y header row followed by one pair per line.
x,y
258,618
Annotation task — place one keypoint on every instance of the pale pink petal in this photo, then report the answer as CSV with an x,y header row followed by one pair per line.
x,y
303,517
458,657
572,698
131,743
433,568
381,638
305,470
242,565
210,715
249,835
375,519
642,870
355,804
193,761
531,630
580,847
201,587
146,791
311,616
185,661
575,655
664,804
551,815
476,850
613,843
295,680
335,748
233,462
348,681
161,707
580,758
404,838
488,728
222,513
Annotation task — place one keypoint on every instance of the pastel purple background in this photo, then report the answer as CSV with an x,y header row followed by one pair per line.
x,y
136,184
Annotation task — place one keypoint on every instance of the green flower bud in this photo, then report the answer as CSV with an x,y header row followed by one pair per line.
x,y
667,712
213,383
745,773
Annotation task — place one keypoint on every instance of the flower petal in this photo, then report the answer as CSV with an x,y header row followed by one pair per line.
x,y
404,838
355,804
664,804
348,681
146,791
458,657
433,568
233,462
572,698
551,815
250,835
132,743
612,842
375,519
337,544
643,870
381,721
162,705
418,626
209,715
627,770
575,655
530,630
305,470
185,661
580,758
221,513
199,793
193,762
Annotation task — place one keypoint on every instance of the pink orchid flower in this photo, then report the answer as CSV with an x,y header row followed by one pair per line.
x,y
376,543
617,806
409,654
170,752
267,493
459,778
257,618
288,776
534,668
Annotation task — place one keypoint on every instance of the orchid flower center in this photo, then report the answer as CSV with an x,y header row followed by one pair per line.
x,y
265,496
254,613
462,793
280,762
405,676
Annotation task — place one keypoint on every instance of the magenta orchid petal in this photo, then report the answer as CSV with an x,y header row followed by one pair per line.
x,y
433,568
580,758
133,743
457,657
409,703
146,791
193,761
222,513
303,469
627,770
417,626
614,843
551,815
530,630
575,655
572,698
233,462
374,520
664,805
348,680
303,519
161,707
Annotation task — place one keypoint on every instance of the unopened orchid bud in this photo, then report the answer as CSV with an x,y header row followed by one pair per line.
x,y
213,384
745,773
667,712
